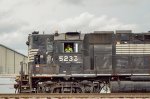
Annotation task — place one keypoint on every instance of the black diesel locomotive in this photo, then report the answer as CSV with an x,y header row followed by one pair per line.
x,y
103,61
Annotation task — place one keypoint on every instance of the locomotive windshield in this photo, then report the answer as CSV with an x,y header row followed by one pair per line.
x,y
49,45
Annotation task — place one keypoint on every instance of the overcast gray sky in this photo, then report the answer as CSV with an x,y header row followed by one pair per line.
x,y
18,18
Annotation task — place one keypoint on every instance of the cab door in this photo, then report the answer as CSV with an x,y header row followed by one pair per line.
x,y
103,58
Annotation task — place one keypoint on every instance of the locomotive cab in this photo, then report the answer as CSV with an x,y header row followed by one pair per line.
x,y
68,54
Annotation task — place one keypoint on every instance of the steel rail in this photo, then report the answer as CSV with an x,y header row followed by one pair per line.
x,y
76,95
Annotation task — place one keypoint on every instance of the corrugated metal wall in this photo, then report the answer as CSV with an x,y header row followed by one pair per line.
x,y
10,60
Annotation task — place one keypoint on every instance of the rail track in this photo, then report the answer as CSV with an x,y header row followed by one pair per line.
x,y
77,96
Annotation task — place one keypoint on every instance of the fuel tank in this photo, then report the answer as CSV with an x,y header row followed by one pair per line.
x,y
129,86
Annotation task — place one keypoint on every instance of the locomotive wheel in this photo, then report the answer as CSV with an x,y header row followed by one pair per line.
x,y
78,90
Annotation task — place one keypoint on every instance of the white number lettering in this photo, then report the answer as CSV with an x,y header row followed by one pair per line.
x,y
68,58
65,58
60,58
75,58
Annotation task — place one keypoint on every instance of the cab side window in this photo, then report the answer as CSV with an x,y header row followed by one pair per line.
x,y
71,47
68,47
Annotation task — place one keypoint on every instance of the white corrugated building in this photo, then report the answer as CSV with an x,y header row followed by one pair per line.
x,y
10,61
